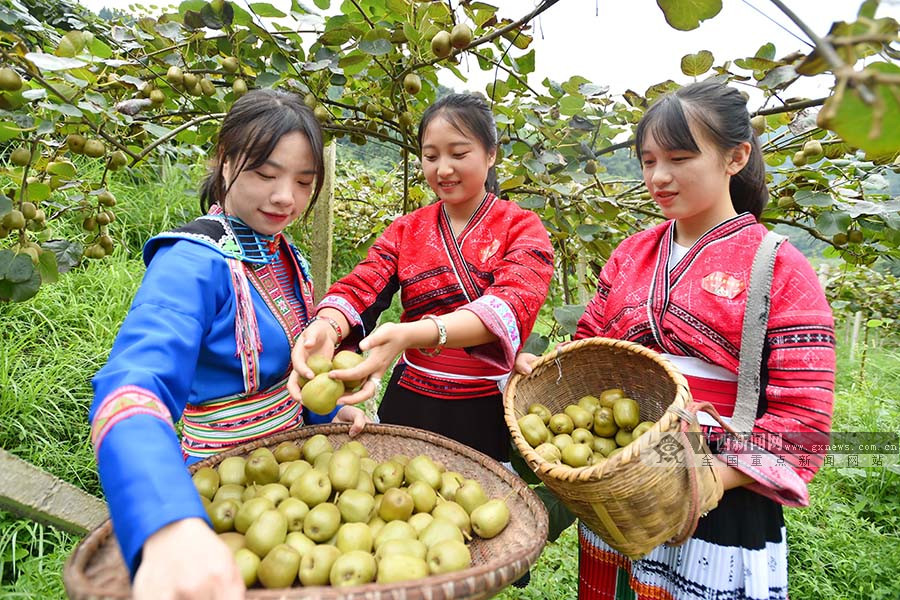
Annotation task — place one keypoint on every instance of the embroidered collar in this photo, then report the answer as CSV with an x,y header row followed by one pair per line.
x,y
256,248
226,234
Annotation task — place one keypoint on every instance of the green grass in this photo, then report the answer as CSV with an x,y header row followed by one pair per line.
x,y
845,545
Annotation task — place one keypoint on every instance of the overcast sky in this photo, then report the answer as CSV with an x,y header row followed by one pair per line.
x,y
628,44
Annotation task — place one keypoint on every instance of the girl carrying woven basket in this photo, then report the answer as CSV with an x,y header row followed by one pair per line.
x,y
681,288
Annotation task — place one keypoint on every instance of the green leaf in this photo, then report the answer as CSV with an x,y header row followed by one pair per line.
x,y
536,344
867,9
808,198
871,128
47,268
587,232
155,130
8,130
267,79
354,63
264,9
526,62
571,86
19,269
322,4
100,49
26,289
532,202
756,63
874,323
67,253
830,223
335,37
50,62
560,516
571,105
687,14
376,42
693,65
778,77
37,192
210,18
567,316
5,206
512,182
767,51
66,109
64,169
592,89
6,257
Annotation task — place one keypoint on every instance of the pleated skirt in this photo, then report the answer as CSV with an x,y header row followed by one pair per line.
x,y
738,552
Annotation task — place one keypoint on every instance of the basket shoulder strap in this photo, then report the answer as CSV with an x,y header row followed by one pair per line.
x,y
753,333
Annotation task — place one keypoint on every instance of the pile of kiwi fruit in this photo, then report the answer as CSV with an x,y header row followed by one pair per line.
x,y
585,433
313,515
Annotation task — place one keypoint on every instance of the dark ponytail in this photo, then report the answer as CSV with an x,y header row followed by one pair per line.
x,y
470,115
252,128
721,113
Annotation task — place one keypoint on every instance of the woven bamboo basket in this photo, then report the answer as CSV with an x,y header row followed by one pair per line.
x,y
656,488
96,571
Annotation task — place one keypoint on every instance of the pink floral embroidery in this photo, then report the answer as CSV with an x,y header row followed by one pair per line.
x,y
722,285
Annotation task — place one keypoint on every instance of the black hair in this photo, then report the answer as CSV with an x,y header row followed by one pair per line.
x,y
470,115
250,131
720,112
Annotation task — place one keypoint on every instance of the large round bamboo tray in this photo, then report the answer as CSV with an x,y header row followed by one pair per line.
x,y
656,488
96,571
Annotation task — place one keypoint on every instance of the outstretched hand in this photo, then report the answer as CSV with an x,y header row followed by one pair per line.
x,y
187,560
316,339
383,345
354,416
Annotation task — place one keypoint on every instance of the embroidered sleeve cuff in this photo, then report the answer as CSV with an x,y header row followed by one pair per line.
x,y
123,403
346,309
774,478
499,318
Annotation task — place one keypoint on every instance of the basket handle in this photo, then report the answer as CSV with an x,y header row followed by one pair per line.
x,y
690,523
688,417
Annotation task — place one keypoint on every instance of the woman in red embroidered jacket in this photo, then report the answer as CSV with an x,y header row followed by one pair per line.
x,y
680,288
472,270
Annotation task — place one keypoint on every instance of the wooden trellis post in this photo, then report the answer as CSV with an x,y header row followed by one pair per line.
x,y
323,228
37,495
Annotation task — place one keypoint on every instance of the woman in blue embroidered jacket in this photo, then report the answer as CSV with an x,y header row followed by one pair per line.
x,y
208,340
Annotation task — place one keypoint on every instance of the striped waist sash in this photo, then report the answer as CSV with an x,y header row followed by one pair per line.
x,y
214,426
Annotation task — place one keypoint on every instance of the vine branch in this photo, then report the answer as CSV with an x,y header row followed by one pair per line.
x,y
173,133
485,38
827,50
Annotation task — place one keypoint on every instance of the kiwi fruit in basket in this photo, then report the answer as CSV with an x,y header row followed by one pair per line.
x,y
313,514
585,432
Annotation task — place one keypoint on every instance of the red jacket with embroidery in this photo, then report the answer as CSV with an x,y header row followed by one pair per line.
x,y
641,300
498,267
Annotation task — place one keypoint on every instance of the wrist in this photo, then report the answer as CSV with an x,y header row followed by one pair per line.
x,y
441,339
332,328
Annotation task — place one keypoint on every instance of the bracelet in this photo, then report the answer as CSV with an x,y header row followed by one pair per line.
x,y
334,325
442,336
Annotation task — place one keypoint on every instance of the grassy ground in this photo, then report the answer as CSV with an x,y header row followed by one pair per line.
x,y
846,545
